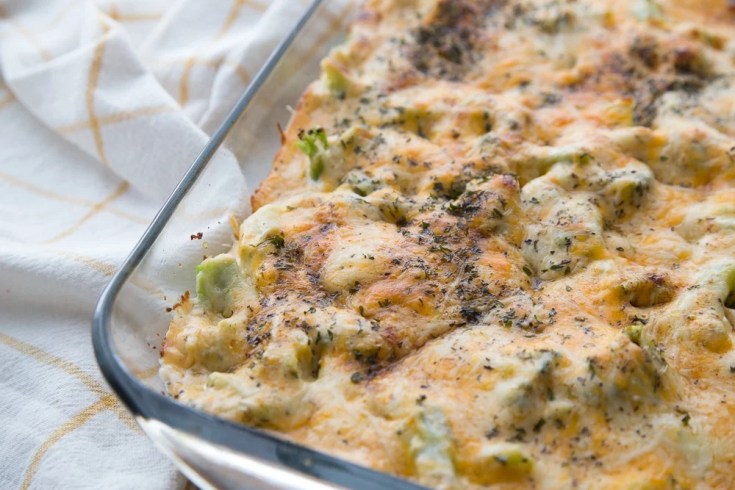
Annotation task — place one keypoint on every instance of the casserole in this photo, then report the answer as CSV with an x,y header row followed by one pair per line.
x,y
504,243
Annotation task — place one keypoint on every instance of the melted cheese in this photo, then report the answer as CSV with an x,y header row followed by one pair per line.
x,y
497,248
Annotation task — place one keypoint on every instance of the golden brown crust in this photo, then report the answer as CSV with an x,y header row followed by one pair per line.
x,y
497,248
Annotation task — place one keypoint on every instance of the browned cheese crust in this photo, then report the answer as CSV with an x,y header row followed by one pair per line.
x,y
497,248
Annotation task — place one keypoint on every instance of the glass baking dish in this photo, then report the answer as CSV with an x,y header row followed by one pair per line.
x,y
130,320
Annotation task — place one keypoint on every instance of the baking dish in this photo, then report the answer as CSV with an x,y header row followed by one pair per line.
x,y
129,326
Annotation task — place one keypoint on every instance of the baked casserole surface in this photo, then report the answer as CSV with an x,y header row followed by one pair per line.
x,y
496,248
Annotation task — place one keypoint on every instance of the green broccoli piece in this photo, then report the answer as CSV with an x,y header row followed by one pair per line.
x,y
634,332
217,279
335,80
313,143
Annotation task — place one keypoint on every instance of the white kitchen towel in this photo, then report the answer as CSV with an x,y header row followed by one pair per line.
x,y
103,106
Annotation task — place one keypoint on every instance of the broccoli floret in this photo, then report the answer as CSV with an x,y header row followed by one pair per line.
x,y
313,143
217,277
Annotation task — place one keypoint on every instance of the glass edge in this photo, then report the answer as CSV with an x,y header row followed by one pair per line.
x,y
146,403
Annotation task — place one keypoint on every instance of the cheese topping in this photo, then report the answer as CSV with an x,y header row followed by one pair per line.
x,y
497,248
